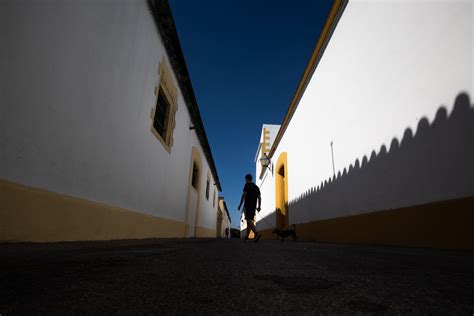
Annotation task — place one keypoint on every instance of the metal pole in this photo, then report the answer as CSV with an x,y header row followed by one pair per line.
x,y
332,154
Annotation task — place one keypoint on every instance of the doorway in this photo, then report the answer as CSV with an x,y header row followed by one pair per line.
x,y
192,199
281,192
220,217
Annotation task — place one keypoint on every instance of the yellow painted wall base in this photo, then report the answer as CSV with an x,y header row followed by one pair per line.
x,y
31,214
443,225
267,234
205,232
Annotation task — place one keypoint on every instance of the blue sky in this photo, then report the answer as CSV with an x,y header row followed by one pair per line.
x,y
245,59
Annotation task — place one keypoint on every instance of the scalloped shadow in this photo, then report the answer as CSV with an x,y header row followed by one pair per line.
x,y
435,164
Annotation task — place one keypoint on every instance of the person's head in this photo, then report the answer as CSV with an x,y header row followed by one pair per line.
x,y
248,178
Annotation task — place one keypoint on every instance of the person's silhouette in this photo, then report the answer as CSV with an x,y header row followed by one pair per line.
x,y
251,195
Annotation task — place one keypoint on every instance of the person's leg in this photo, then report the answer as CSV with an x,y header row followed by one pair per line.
x,y
249,227
252,227
257,235
247,231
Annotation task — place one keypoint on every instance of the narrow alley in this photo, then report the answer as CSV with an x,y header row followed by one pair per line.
x,y
141,141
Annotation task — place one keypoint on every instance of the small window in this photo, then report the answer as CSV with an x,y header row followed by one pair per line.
x,y
162,112
214,199
195,177
207,188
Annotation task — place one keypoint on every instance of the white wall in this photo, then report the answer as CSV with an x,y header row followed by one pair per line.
x,y
243,224
266,216
225,220
77,87
390,66
208,217
225,224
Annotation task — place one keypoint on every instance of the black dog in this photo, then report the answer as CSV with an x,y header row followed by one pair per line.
x,y
283,233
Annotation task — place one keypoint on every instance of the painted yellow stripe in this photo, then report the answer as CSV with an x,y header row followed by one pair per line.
x,y
444,225
205,232
31,214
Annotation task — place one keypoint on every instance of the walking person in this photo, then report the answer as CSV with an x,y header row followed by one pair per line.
x,y
250,196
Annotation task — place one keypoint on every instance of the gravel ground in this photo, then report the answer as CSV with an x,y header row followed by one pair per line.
x,y
202,276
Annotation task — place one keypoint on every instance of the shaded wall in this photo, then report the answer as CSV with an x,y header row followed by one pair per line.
x,y
434,164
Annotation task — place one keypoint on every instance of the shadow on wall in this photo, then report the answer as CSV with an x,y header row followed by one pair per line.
x,y
436,164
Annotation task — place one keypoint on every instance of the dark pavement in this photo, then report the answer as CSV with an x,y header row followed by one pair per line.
x,y
216,276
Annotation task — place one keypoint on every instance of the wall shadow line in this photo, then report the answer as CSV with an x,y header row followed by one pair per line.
x,y
434,164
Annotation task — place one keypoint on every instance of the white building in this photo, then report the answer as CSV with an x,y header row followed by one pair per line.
x,y
223,219
100,132
267,137
377,144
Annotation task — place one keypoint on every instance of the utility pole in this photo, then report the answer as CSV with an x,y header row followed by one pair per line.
x,y
332,154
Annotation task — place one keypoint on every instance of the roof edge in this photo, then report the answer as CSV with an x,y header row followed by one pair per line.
x,y
334,15
226,209
164,21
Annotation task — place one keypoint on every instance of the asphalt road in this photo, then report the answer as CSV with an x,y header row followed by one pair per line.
x,y
202,276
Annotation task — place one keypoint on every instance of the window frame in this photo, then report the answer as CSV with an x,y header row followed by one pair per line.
x,y
165,88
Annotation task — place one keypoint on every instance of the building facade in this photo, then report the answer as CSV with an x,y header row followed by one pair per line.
x,y
267,137
378,141
223,220
100,132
